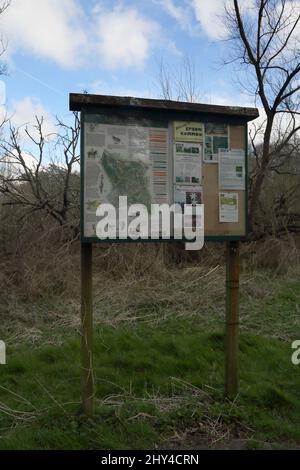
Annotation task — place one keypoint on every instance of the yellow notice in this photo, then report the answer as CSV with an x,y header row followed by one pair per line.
x,y
186,131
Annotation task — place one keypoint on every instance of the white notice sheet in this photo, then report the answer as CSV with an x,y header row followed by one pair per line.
x,y
232,169
229,207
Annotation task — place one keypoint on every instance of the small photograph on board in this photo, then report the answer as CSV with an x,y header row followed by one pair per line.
x,y
239,171
192,195
216,138
214,128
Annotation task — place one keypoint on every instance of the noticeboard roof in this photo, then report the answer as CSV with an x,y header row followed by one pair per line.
x,y
78,101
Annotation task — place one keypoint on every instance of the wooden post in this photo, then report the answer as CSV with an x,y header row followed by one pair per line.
x,y
232,317
87,377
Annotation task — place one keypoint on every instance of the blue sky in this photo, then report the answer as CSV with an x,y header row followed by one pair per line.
x,y
55,47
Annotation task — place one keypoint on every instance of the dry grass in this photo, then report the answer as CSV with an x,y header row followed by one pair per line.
x,y
208,429
41,284
157,295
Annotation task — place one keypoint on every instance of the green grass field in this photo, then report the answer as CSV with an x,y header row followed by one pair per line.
x,y
159,383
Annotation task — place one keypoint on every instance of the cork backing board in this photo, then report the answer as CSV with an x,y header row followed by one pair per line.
x,y
209,183
211,194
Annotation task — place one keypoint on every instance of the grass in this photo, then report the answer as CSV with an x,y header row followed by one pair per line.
x,y
159,373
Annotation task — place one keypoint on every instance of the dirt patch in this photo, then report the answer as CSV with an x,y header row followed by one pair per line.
x,y
201,439
210,434
200,442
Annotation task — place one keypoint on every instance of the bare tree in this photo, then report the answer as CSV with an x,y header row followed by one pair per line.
x,y
265,43
43,181
179,84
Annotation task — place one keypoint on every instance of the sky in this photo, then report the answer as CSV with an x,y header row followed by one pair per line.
x,y
114,47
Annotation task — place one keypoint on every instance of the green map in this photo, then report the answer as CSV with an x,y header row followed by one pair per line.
x,y
128,178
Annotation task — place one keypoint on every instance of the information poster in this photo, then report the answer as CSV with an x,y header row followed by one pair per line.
x,y
188,195
123,160
229,207
216,138
191,195
232,169
185,131
187,163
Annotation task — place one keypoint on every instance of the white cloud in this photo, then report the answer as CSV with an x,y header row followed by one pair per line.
x,y
180,12
52,29
2,93
196,15
125,38
23,113
10,165
210,15
176,11
62,31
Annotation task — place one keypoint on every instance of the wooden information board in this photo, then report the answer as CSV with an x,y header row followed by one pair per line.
x,y
156,151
